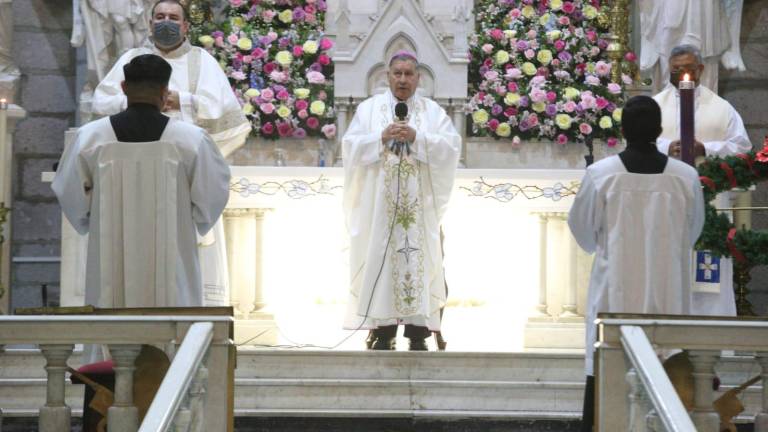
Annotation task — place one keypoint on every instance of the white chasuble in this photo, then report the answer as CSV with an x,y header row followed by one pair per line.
x,y
641,228
720,128
142,205
206,100
393,207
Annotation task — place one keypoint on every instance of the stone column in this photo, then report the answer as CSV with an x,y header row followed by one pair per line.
x,y
571,290
704,416
541,308
245,245
55,416
342,106
761,419
458,116
123,416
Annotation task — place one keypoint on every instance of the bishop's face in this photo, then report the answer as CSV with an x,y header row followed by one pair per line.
x,y
682,64
403,79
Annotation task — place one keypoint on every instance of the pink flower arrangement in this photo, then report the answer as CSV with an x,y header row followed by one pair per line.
x,y
546,78
277,53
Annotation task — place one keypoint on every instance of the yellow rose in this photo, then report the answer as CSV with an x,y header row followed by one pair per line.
x,y
544,19
310,47
512,99
206,41
252,93
539,106
563,121
244,44
238,21
480,117
529,69
317,107
617,115
571,93
591,67
301,93
247,109
501,57
510,33
503,130
286,16
589,11
555,4
283,111
605,122
544,57
554,34
528,11
284,58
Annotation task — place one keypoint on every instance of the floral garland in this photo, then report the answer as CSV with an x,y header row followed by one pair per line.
x,y
720,235
276,57
539,70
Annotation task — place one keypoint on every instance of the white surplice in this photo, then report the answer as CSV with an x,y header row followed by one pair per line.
x,y
642,228
720,128
393,210
206,100
142,205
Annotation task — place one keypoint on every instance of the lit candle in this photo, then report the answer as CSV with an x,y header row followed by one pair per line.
x,y
687,89
4,165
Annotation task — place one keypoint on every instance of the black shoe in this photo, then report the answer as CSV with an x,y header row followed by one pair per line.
x,y
417,345
384,344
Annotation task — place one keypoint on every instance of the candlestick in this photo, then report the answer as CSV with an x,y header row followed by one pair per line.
x,y
4,166
687,89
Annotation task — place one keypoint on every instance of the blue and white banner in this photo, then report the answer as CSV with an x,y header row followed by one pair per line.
x,y
707,268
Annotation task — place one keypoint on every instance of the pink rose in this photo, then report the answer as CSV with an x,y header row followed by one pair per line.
x,y
218,41
533,120
612,142
564,21
570,106
309,9
237,75
614,88
232,39
313,122
258,53
324,60
585,129
487,48
491,75
301,104
551,96
269,67
562,139
284,129
497,34
283,95
325,44
568,7
513,73
298,50
329,130
602,68
247,59
267,108
315,77
299,133
602,103
267,95
630,56
510,112
322,95
591,35
559,45
302,114
272,35
267,128
235,3
529,54
531,34
268,15
512,86
514,13
493,124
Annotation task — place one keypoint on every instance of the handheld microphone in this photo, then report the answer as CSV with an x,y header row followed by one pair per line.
x,y
401,112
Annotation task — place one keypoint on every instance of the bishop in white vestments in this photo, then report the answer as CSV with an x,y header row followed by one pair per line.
x,y
640,213
142,186
719,131
200,94
398,179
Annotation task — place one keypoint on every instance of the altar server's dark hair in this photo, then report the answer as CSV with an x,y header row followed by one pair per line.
x,y
147,71
641,120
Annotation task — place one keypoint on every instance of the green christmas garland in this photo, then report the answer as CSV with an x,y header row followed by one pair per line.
x,y
747,247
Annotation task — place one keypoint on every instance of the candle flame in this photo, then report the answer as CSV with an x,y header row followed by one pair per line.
x,y
686,77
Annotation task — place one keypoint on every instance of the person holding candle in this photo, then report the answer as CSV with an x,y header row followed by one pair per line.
x,y
640,212
718,131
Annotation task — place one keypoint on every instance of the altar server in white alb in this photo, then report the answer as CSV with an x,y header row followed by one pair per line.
x,y
398,179
640,213
719,131
200,94
143,186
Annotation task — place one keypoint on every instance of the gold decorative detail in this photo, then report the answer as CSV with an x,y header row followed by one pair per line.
x,y
618,40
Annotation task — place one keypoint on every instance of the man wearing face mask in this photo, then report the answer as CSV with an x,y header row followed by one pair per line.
x,y
199,93
719,131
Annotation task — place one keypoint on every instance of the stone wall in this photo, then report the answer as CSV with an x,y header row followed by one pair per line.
x,y
748,92
47,63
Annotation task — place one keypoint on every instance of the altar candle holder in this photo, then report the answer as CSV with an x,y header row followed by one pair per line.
x,y
687,89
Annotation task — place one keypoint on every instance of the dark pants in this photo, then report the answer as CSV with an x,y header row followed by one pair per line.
x,y
411,332
588,415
